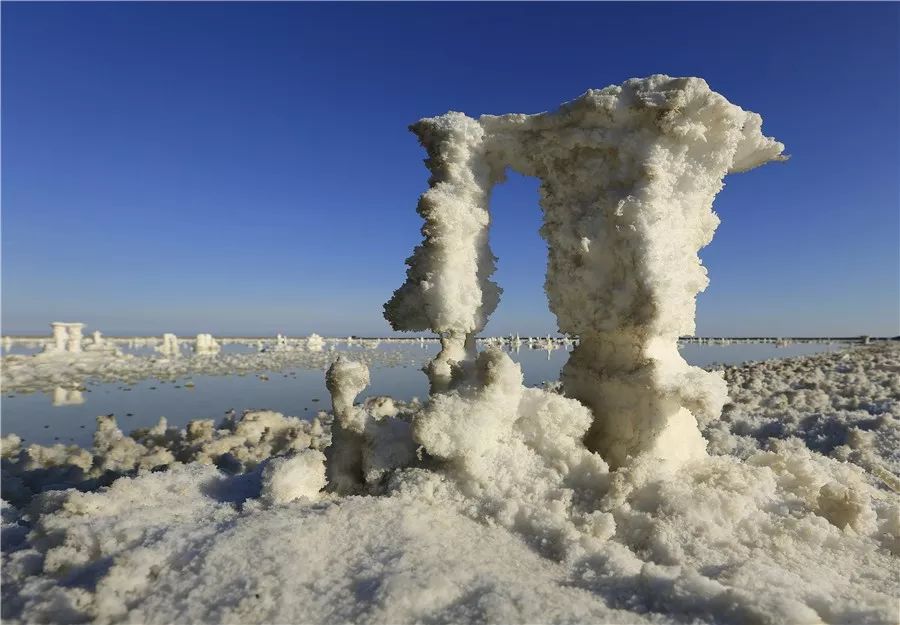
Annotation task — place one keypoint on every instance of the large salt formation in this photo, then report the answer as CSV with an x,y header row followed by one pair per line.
x,y
628,175
66,337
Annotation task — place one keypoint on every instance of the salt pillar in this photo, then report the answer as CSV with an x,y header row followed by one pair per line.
x,y
169,345
314,342
448,287
73,345
205,344
345,379
628,175
60,335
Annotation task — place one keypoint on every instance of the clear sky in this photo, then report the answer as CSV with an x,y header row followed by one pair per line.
x,y
247,169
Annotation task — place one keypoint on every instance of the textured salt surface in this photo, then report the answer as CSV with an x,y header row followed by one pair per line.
x,y
785,534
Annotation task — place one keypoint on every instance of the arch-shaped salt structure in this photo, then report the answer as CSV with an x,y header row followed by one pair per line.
x,y
628,175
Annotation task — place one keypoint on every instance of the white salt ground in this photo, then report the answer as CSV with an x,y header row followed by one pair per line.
x,y
841,404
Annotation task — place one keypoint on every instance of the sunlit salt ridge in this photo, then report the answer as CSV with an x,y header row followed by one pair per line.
x,y
620,495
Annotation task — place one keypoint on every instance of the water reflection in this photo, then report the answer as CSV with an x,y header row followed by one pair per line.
x,y
67,396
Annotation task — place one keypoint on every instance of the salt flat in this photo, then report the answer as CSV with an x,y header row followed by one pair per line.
x,y
796,528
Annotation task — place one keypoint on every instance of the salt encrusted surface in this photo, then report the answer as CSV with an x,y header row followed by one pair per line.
x,y
770,531
842,404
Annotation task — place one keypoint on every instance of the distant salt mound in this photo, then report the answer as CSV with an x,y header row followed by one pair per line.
x,y
169,345
205,344
491,501
315,343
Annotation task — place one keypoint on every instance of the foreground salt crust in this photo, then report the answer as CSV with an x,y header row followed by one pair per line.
x,y
842,405
493,501
780,534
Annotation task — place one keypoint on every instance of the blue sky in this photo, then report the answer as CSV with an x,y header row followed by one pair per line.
x,y
246,168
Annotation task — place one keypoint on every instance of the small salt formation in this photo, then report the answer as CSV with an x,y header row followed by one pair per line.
x,y
60,334
73,345
206,344
169,346
628,175
99,345
288,478
368,441
315,343
345,380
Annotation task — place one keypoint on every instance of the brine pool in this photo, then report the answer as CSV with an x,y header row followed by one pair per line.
x,y
68,416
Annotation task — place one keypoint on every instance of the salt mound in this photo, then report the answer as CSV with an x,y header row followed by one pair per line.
x,y
169,345
206,344
290,478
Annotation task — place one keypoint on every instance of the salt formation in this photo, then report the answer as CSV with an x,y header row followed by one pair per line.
x,y
66,337
169,345
100,345
288,478
73,344
206,344
345,379
314,342
628,174
60,335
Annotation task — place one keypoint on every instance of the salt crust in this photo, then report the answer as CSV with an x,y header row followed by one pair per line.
x,y
528,527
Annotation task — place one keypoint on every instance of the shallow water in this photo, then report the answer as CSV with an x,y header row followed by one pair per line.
x,y
68,416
